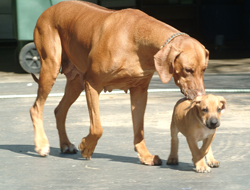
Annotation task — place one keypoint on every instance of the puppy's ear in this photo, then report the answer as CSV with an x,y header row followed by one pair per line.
x,y
224,103
196,101
164,62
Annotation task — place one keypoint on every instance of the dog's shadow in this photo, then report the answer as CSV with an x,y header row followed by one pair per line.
x,y
28,150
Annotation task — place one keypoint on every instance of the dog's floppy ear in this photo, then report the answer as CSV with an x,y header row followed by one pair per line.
x,y
224,103
164,62
207,56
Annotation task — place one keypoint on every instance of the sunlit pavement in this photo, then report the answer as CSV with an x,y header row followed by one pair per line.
x,y
114,164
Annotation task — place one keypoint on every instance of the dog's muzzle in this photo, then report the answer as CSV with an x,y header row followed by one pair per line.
x,y
212,123
192,94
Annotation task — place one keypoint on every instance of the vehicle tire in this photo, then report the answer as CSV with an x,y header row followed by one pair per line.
x,y
29,58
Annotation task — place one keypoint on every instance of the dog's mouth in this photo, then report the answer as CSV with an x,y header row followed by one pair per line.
x,y
185,94
190,94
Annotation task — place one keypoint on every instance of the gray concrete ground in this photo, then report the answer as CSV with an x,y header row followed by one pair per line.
x,y
114,164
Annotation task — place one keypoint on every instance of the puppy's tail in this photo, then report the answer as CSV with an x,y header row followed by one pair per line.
x,y
35,78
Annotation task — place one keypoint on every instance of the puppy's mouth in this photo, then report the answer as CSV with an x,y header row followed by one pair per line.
x,y
209,127
212,123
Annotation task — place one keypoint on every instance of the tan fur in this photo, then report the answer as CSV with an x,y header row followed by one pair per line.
x,y
197,120
101,49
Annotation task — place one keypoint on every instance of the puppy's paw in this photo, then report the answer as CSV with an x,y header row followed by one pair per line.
x,y
68,149
172,161
213,163
203,169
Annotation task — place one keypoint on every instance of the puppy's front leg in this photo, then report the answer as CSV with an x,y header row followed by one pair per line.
x,y
211,161
206,147
173,156
198,156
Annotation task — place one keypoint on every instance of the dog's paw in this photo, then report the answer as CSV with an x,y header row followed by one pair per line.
x,y
43,150
87,147
68,149
213,163
150,160
203,169
172,161
156,160
42,146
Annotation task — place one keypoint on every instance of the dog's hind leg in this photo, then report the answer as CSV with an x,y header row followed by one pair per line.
x,y
49,49
173,156
72,91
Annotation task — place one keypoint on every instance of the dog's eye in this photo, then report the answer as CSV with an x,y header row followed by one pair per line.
x,y
205,110
218,110
187,70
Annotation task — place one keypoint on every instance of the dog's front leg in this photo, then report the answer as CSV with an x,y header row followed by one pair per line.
x,y
198,156
138,97
88,144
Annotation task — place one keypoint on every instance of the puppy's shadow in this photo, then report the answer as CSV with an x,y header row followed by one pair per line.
x,y
182,166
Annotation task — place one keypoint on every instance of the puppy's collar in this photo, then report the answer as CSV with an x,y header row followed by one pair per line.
x,y
172,37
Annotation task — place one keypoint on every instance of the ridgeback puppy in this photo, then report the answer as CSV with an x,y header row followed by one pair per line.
x,y
197,120
101,49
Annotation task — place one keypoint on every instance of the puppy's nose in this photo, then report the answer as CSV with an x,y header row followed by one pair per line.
x,y
214,122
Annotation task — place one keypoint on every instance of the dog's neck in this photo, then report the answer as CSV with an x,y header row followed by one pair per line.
x,y
155,35
172,37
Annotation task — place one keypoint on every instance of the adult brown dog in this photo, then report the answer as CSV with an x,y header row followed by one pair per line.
x,y
101,49
197,120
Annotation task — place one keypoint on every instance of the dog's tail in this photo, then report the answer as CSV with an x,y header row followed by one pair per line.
x,y
35,78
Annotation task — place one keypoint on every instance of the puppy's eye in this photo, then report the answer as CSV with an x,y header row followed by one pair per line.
x,y
218,110
205,110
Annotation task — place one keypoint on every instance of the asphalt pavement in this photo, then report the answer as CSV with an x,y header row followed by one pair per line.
x,y
114,164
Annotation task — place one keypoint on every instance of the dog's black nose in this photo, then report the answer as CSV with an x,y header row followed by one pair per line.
x,y
213,123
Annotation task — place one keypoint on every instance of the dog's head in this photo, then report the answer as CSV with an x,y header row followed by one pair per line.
x,y
210,108
186,60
